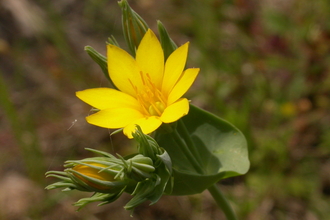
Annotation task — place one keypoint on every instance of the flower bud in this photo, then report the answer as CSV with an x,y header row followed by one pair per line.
x,y
98,174
107,174
96,177
140,167
134,27
145,175
146,145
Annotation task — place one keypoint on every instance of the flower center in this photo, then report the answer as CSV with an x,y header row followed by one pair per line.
x,y
151,99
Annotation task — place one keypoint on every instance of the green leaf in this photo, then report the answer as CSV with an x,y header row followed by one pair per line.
x,y
167,43
218,147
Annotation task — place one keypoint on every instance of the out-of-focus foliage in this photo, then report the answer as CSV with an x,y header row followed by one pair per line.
x,y
265,67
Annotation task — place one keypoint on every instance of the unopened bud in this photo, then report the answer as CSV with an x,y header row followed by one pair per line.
x,y
96,177
134,27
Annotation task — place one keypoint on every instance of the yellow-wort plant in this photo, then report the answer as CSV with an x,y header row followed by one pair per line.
x,y
181,149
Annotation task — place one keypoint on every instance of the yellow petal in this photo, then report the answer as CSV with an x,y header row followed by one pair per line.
x,y
174,66
147,125
103,98
150,57
182,86
175,111
92,172
122,69
114,118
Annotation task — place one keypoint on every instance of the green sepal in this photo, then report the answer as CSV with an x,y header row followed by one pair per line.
x,y
112,40
101,153
218,146
143,163
134,27
66,185
146,145
140,193
101,61
98,197
167,43
164,171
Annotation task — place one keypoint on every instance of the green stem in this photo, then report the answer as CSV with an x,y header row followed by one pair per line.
x,y
222,202
188,148
187,138
187,152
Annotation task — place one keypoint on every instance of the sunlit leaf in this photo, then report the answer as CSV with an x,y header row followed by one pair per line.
x,y
220,149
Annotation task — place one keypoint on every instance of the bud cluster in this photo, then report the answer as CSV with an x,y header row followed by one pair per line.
x,y
144,175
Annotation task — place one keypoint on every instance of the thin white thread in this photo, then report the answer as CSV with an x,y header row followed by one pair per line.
x,y
60,147
111,143
73,123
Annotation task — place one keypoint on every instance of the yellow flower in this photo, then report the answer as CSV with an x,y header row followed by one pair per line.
x,y
150,91
83,171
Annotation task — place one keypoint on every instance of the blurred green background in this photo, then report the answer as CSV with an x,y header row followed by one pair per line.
x,y
265,67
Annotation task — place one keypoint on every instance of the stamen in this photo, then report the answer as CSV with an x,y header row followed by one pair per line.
x,y
134,87
161,97
152,101
142,78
